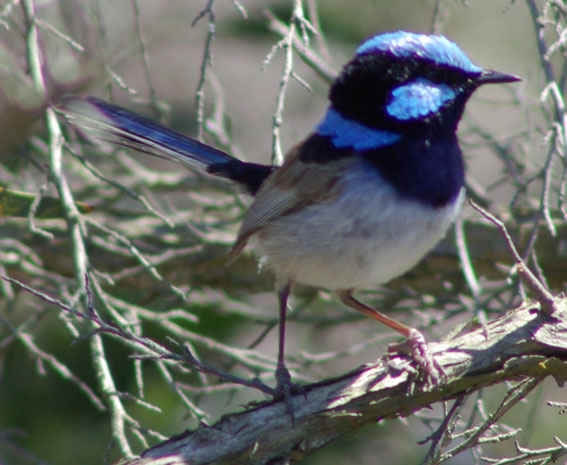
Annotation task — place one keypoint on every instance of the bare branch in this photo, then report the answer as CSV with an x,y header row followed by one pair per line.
x,y
523,343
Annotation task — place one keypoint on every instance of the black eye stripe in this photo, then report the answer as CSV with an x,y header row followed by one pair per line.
x,y
363,89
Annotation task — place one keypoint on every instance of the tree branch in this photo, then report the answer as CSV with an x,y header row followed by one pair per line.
x,y
522,343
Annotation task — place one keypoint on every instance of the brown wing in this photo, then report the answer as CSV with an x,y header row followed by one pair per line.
x,y
291,187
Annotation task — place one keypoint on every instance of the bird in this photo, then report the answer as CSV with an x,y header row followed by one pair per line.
x,y
365,196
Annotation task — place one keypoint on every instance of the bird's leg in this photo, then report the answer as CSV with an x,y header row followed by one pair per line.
x,y
285,388
420,352
283,377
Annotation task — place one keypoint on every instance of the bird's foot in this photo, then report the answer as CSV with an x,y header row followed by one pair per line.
x,y
285,389
421,355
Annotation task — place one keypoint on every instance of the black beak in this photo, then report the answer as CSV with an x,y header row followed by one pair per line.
x,y
495,77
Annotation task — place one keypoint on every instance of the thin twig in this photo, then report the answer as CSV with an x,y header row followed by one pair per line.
x,y
549,303
156,107
287,45
206,61
514,395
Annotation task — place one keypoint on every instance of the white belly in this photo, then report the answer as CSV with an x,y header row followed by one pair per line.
x,y
358,240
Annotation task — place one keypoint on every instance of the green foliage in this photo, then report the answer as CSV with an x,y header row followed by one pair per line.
x,y
18,204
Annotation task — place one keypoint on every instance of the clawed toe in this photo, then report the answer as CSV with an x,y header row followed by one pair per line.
x,y
286,389
422,356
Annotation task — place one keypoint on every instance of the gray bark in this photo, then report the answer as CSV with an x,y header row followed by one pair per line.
x,y
522,343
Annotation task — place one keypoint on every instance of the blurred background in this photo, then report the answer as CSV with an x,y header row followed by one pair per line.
x,y
152,237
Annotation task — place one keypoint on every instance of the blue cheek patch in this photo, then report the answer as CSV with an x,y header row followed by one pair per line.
x,y
418,99
430,47
345,133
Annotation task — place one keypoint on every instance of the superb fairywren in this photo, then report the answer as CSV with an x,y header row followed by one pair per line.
x,y
366,195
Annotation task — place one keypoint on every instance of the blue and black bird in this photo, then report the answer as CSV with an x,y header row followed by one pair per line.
x,y
366,195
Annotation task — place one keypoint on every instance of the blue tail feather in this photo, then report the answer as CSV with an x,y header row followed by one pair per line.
x,y
105,121
142,130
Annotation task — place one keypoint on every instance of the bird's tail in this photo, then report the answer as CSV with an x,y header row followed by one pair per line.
x,y
111,123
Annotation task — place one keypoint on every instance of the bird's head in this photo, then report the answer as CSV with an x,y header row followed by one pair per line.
x,y
403,81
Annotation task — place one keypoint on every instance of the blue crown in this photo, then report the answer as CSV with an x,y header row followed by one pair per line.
x,y
435,48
